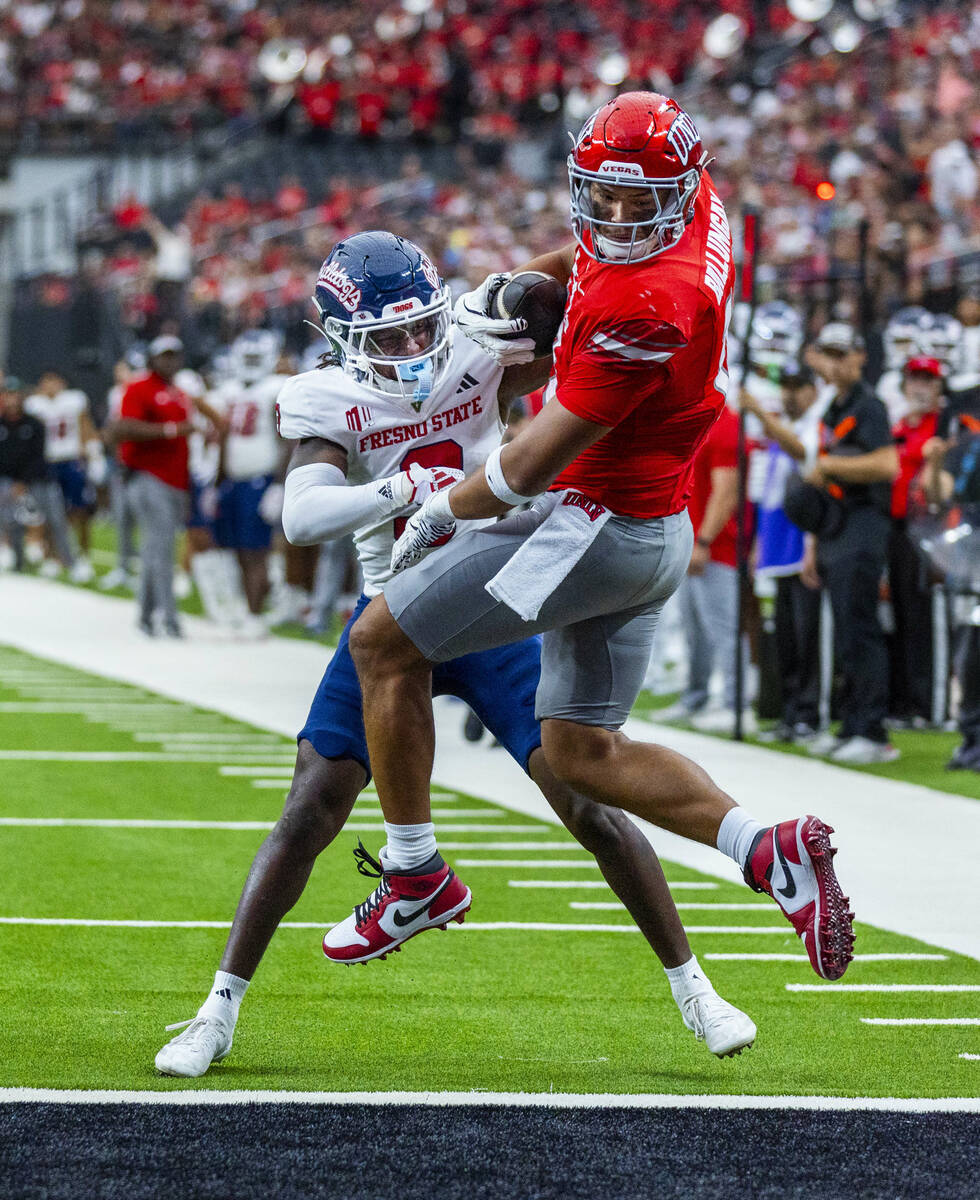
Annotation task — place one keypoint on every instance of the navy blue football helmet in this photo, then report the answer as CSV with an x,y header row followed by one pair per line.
x,y
386,313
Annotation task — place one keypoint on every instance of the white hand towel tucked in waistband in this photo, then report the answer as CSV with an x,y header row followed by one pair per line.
x,y
530,575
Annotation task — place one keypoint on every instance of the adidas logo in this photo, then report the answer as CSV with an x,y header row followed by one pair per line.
x,y
224,993
467,382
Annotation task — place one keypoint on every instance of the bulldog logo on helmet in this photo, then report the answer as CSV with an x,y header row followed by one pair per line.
x,y
336,280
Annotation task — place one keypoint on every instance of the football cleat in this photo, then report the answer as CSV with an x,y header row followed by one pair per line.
x,y
402,905
723,1028
206,1040
793,862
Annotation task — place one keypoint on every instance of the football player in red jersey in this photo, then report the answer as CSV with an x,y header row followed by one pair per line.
x,y
639,379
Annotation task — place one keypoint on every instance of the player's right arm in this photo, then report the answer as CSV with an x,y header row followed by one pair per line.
x,y
318,504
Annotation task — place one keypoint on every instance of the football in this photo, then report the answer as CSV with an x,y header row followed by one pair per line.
x,y
539,299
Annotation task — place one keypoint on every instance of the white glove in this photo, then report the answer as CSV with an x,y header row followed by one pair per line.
x,y
270,504
415,486
96,467
472,316
432,526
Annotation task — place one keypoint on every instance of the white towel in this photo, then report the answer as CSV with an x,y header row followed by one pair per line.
x,y
530,575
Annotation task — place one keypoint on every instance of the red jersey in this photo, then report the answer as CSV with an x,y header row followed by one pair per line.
x,y
150,398
909,440
642,349
720,449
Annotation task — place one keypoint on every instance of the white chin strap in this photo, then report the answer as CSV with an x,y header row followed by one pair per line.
x,y
624,251
419,373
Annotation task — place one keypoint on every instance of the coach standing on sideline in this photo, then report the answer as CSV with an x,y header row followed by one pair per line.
x,y
857,464
151,431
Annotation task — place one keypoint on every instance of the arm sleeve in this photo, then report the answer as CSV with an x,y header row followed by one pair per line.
x,y
318,506
618,368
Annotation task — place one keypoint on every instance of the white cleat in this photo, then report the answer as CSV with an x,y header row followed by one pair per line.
x,y
721,1026
206,1040
82,572
862,752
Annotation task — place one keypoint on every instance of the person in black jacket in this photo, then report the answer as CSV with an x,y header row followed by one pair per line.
x,y
22,464
855,469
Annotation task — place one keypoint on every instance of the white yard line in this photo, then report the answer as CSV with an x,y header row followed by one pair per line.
x,y
589,883
468,926
131,756
515,863
883,987
802,958
970,1057
270,687
920,1020
563,1100
287,772
258,739
89,708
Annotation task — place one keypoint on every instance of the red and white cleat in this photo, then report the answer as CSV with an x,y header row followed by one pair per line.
x,y
793,862
402,905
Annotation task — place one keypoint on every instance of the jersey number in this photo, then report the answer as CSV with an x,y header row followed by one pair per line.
x,y
244,419
439,454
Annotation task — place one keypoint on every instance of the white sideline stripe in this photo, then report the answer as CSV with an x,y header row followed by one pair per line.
x,y
615,906
883,987
128,756
804,959
896,1104
591,883
480,926
920,1020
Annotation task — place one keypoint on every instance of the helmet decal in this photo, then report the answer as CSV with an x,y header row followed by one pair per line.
x,y
683,136
336,280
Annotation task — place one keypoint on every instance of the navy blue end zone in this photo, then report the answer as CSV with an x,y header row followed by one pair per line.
x,y
357,1152
499,685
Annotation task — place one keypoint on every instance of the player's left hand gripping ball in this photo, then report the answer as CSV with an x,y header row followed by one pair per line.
x,y
433,525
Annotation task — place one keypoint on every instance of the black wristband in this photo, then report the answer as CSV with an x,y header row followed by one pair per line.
x,y
703,542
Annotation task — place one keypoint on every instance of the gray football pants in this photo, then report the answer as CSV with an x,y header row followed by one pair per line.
x,y
160,510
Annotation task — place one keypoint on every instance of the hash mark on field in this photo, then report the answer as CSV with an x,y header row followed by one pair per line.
x,y
883,987
590,883
971,1057
802,958
920,1020
615,906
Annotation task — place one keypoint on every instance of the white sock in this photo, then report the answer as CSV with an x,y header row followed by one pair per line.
x,y
687,979
225,997
409,845
736,834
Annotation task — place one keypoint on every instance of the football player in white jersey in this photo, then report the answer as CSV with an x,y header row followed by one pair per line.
x,y
403,407
76,455
251,461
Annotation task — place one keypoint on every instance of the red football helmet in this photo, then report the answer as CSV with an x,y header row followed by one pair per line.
x,y
643,142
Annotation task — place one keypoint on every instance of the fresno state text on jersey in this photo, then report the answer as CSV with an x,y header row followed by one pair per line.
x,y
458,426
643,350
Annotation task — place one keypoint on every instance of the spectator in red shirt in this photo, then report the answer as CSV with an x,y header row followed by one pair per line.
x,y
708,596
152,427
914,697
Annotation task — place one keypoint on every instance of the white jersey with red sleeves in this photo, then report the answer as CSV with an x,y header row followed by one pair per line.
x,y
458,426
642,349
61,416
252,446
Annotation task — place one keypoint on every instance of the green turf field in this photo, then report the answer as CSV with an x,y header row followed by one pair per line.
x,y
572,1009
